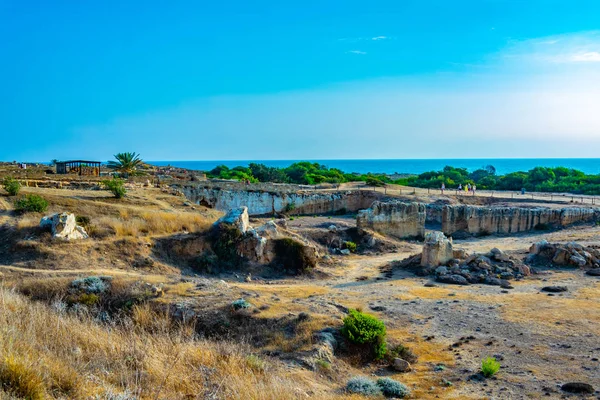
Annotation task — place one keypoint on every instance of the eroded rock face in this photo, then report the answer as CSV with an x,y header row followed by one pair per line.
x,y
64,226
437,250
477,220
398,219
268,199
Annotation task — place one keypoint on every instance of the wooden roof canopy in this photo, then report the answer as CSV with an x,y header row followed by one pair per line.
x,y
80,167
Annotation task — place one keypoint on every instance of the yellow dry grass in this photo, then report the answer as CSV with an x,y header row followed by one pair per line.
x,y
45,354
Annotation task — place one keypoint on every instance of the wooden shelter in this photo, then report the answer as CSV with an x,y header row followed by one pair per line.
x,y
79,167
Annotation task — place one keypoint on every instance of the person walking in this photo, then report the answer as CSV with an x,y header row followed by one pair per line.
x,y
443,187
474,189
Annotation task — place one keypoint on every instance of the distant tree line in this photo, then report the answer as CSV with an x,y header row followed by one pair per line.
x,y
302,173
539,179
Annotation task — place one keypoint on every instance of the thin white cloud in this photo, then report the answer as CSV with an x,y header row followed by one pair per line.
x,y
579,47
379,38
591,56
360,52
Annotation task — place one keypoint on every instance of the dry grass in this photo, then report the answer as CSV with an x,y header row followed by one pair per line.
x,y
45,354
151,223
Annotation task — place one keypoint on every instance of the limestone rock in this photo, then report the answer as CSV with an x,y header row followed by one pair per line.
x,y
594,272
480,220
437,250
237,217
398,219
64,226
401,365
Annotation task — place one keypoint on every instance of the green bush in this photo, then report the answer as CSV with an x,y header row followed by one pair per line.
x,y
363,386
351,246
116,186
361,328
31,202
489,366
392,388
11,185
240,304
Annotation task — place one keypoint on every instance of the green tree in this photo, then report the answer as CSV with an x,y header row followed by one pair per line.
x,y
126,164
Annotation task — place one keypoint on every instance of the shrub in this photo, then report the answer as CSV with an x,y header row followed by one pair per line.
x,y
11,185
489,367
116,186
392,388
92,284
363,328
350,246
400,351
31,202
240,304
364,386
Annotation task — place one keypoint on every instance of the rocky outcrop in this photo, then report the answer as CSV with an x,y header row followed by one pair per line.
x,y
493,268
262,199
267,244
437,250
477,220
64,226
570,254
398,219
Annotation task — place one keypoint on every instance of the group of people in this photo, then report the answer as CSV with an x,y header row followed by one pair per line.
x,y
467,188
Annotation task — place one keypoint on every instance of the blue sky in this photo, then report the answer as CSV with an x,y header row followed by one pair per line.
x,y
192,80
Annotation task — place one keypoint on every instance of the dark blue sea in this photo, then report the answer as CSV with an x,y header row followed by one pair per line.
x,y
502,165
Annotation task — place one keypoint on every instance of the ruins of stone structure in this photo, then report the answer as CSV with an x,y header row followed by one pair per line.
x,y
437,250
267,199
478,220
64,226
398,219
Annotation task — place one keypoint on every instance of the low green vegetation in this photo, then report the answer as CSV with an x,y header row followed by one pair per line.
x,y
392,388
539,179
365,329
363,386
302,173
11,185
116,186
31,203
369,388
489,367
350,246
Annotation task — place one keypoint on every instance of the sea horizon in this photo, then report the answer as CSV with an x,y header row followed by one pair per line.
x,y
404,166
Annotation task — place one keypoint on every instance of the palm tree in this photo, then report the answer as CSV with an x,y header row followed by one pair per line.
x,y
127,163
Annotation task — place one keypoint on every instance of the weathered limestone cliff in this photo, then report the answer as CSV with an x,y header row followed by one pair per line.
x,y
397,219
478,220
277,199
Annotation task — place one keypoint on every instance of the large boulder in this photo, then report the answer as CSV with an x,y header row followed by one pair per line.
x,y
237,217
437,250
64,226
